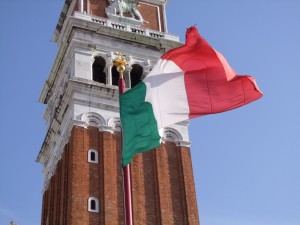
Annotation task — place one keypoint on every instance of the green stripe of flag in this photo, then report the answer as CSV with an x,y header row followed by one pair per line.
x,y
139,126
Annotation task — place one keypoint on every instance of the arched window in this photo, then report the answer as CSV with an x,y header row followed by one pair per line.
x,y
93,204
136,74
99,74
114,76
93,156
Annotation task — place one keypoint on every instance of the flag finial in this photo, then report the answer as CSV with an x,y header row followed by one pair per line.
x,y
120,63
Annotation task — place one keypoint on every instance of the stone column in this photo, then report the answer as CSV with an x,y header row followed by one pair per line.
x,y
80,6
127,76
88,8
109,74
165,19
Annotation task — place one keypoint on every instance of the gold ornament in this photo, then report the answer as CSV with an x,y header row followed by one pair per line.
x,y
120,63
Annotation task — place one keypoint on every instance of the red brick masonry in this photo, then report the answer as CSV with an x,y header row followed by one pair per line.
x,y
162,184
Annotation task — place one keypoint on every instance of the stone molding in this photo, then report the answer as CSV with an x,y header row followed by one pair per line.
x,y
173,135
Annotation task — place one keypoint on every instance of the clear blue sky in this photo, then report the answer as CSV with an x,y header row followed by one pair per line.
x,y
246,161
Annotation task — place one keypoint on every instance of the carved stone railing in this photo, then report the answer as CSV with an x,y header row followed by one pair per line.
x,y
156,35
126,27
118,26
98,20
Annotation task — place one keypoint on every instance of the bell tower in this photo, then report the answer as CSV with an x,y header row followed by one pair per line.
x,y
81,152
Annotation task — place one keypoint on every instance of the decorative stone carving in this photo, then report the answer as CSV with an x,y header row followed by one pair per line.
x,y
176,136
93,119
117,9
115,123
110,57
170,134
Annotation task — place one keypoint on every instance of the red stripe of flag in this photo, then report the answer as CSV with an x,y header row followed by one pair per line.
x,y
211,84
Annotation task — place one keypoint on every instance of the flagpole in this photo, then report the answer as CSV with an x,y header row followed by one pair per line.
x,y
121,63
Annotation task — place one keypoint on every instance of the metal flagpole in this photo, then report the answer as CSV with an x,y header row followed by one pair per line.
x,y
121,63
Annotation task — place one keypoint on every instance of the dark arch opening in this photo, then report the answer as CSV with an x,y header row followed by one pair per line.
x,y
136,74
93,204
114,76
93,156
98,70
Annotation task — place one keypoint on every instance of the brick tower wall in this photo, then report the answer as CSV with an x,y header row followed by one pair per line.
x,y
162,184
56,202
163,187
66,200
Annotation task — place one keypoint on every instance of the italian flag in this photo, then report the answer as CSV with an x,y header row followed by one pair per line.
x,y
190,81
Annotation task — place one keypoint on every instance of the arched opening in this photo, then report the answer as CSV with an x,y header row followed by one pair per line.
x,y
136,74
99,74
93,204
93,156
114,76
